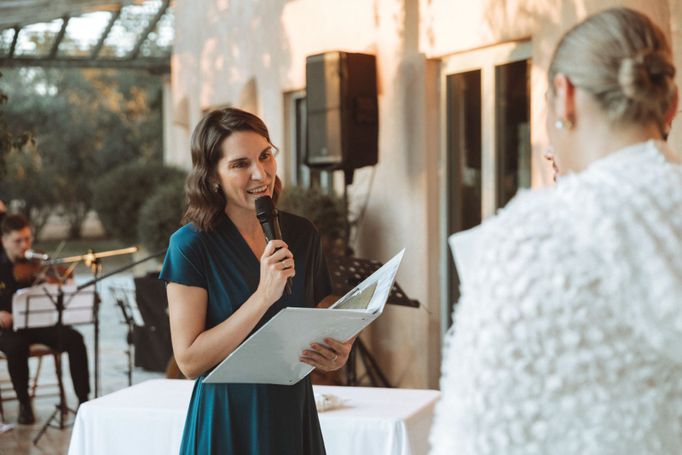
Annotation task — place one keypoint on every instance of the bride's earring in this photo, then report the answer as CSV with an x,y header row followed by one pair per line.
x,y
561,123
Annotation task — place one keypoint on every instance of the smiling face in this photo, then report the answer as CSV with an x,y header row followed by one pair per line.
x,y
246,171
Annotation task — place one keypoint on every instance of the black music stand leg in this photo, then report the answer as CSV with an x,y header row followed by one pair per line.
x,y
131,355
376,376
130,324
96,268
96,310
62,410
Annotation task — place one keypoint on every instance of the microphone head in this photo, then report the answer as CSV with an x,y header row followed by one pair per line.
x,y
30,255
264,207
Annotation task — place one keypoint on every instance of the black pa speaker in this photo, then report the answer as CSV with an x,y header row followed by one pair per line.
x,y
343,117
152,341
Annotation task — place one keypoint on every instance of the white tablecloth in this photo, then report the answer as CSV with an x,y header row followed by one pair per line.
x,y
148,419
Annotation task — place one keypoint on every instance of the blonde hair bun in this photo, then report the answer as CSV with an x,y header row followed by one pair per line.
x,y
645,76
624,60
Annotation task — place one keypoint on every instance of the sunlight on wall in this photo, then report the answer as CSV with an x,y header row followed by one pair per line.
x,y
310,29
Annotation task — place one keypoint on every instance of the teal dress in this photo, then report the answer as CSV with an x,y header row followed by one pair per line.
x,y
243,419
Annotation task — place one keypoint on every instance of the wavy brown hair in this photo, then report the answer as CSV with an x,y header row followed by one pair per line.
x,y
205,206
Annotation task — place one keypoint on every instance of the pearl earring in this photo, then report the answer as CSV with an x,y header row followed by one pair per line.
x,y
560,124
216,188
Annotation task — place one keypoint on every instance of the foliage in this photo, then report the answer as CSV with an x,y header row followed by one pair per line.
x,y
327,213
8,141
160,215
85,122
26,180
120,194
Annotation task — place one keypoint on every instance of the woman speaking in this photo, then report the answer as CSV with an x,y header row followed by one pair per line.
x,y
225,281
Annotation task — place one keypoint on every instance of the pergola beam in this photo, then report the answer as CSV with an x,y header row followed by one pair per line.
x,y
148,30
15,38
105,34
24,12
60,36
156,65
41,9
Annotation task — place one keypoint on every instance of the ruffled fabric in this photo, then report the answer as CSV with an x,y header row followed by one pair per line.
x,y
568,335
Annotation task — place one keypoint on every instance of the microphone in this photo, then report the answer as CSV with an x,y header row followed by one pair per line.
x,y
269,220
30,255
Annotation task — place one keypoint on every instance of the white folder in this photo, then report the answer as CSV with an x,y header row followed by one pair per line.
x,y
464,246
271,354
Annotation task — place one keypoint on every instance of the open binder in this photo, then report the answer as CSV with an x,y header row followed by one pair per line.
x,y
271,354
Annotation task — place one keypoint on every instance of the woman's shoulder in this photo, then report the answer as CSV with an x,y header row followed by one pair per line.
x,y
526,238
187,236
527,217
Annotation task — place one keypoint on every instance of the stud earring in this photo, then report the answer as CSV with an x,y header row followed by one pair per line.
x,y
560,124
216,188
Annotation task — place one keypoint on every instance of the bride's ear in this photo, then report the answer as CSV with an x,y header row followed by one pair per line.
x,y
672,112
564,100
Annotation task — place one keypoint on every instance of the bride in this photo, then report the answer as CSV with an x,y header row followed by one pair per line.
x,y
567,338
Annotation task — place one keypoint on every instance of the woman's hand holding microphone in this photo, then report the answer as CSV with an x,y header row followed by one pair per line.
x,y
276,266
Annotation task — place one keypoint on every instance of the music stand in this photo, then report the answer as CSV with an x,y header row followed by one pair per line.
x,y
121,299
92,260
346,273
52,305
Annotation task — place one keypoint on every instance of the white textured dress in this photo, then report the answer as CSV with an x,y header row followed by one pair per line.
x,y
568,335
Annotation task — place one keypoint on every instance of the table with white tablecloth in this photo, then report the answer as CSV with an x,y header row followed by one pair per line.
x,y
148,418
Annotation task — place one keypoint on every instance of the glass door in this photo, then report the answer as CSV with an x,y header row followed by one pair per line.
x,y
486,138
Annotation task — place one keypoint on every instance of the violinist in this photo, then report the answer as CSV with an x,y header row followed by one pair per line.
x,y
16,240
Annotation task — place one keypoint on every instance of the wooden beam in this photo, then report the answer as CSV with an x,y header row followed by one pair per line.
x,y
60,36
24,12
13,46
156,65
98,47
143,37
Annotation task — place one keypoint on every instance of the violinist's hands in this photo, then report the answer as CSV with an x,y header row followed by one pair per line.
x,y
275,268
5,320
327,357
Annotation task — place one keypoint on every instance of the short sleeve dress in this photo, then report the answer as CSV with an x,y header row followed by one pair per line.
x,y
243,419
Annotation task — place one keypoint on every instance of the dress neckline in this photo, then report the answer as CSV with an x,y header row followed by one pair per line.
x,y
231,228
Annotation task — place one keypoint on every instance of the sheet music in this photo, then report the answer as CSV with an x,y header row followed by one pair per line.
x,y
271,354
35,307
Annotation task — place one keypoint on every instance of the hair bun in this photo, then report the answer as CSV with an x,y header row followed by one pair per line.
x,y
644,76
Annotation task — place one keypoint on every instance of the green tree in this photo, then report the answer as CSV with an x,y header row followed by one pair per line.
x,y
8,141
26,180
160,215
121,193
86,122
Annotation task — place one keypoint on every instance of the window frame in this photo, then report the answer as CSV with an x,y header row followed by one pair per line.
x,y
485,60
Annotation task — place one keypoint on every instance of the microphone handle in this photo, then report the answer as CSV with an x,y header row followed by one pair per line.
x,y
272,231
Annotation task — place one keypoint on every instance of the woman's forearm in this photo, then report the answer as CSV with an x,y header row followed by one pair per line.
x,y
209,347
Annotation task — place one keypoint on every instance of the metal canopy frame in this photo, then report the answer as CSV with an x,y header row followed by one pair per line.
x,y
16,15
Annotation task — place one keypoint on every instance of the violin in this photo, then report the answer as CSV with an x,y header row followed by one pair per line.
x,y
34,271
